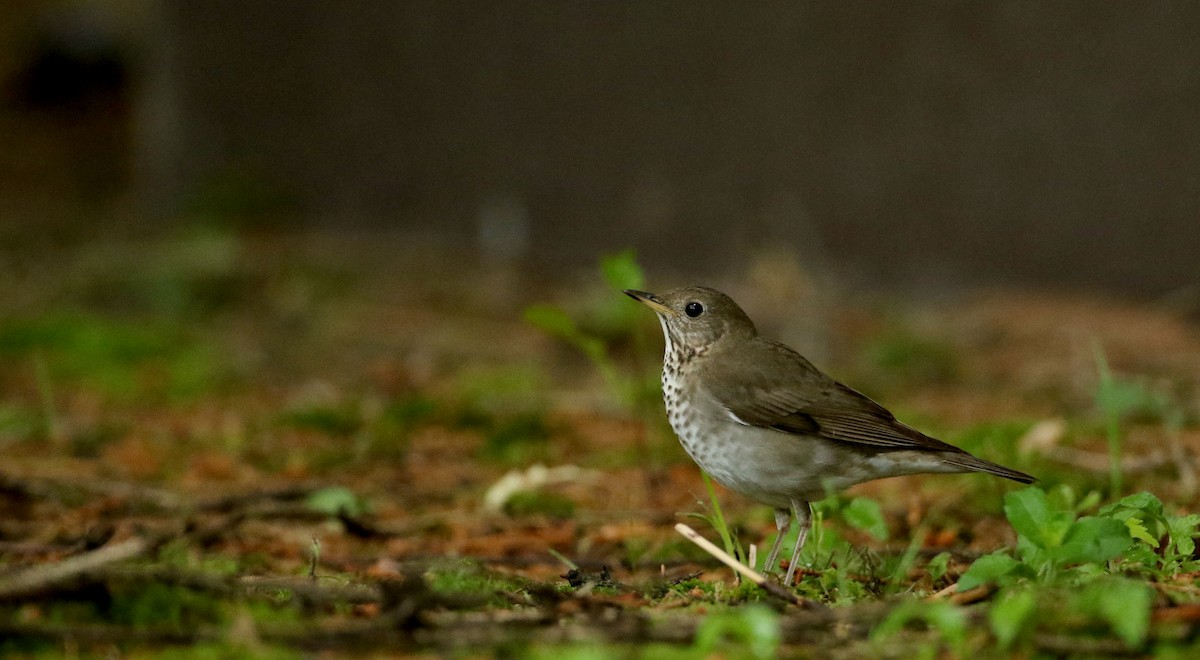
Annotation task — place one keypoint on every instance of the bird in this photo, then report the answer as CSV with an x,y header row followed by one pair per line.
x,y
764,422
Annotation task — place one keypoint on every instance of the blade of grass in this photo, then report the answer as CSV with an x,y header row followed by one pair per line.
x,y
1112,417
563,558
718,519
900,574
50,424
742,569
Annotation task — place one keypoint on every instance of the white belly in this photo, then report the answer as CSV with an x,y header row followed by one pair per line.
x,y
774,467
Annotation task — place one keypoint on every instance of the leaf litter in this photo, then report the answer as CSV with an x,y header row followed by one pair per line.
x,y
249,511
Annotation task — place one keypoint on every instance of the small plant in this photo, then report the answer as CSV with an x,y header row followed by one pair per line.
x,y
552,505
517,439
1052,543
474,581
1114,398
843,571
1056,546
1011,614
751,630
154,604
1164,543
948,621
860,513
334,420
615,320
17,423
1120,604
379,429
906,357
716,520
1123,604
938,566
865,514
1119,399
125,359
336,501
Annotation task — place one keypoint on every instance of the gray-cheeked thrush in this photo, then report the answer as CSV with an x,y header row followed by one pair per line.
x,y
764,422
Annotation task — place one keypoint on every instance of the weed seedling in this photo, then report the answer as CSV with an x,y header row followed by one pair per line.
x,y
1052,543
523,504
473,580
752,630
716,520
621,271
948,621
1119,399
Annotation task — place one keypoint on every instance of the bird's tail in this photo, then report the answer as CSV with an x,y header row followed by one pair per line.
x,y
970,463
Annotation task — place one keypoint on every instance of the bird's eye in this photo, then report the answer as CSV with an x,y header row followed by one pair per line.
x,y
693,309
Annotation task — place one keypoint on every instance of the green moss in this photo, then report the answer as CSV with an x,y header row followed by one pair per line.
x,y
540,503
154,604
124,359
470,578
18,423
222,651
903,355
341,420
519,439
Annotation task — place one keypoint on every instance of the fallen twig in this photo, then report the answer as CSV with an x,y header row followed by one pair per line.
x,y
316,592
747,572
982,592
52,489
226,503
944,593
37,579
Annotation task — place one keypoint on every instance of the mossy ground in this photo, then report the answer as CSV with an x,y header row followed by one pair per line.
x,y
307,443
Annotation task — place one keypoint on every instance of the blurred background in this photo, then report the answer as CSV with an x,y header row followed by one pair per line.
x,y
371,252
914,144
364,260
265,224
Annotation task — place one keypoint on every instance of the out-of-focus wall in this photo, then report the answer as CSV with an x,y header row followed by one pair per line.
x,y
995,142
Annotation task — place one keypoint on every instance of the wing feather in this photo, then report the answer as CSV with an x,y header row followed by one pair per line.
x,y
795,397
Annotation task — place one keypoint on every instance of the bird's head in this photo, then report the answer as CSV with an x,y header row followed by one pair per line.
x,y
695,318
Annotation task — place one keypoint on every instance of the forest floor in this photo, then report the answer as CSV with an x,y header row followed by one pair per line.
x,y
226,442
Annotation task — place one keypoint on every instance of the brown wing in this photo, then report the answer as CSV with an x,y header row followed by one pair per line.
x,y
784,391
779,389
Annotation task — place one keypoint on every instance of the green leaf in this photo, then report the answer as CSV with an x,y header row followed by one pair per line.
x,y
1183,533
938,565
622,271
1010,614
1093,539
1137,529
865,514
1030,514
988,569
1143,502
1090,500
552,320
947,619
336,500
1124,604
755,626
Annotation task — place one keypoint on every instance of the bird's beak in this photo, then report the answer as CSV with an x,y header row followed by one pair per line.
x,y
650,300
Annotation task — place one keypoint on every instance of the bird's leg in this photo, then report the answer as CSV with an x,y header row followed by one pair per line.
x,y
783,522
803,516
